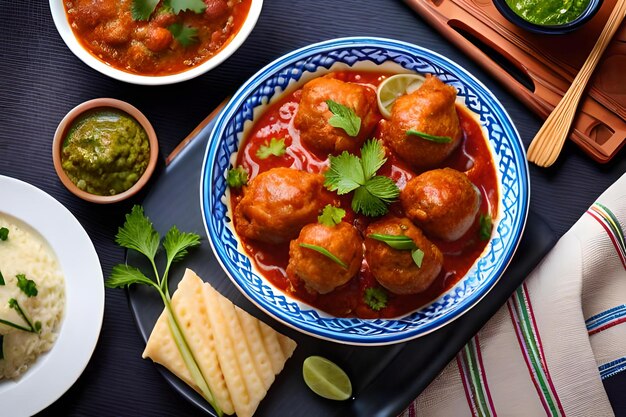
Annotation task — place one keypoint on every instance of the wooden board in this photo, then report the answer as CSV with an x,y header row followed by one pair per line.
x,y
538,69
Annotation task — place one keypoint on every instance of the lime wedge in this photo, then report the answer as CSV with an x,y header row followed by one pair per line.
x,y
326,379
395,86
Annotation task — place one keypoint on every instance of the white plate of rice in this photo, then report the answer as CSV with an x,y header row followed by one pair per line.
x,y
56,251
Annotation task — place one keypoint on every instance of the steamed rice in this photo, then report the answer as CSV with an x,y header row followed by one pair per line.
x,y
26,252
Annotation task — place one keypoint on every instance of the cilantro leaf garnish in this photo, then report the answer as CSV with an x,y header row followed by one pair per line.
x,y
372,157
331,215
345,173
185,35
401,242
143,9
274,147
237,177
27,286
139,234
344,118
4,233
376,298
432,138
348,173
367,203
486,225
196,6
326,253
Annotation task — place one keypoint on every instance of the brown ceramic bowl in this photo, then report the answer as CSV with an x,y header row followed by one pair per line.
x,y
63,129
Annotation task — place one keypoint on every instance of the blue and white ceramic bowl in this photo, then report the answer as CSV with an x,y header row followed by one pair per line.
x,y
292,71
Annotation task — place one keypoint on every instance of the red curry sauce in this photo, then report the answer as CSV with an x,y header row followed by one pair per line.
x,y
472,157
107,29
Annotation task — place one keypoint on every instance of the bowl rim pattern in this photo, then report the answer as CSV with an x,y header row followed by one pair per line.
x,y
504,140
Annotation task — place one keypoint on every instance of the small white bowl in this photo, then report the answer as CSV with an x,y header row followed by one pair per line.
x,y
60,20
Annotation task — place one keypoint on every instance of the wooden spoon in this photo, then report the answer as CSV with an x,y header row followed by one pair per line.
x,y
548,142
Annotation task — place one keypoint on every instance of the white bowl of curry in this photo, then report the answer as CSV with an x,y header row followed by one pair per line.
x,y
154,42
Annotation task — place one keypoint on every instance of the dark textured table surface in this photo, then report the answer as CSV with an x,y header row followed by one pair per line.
x,y
40,80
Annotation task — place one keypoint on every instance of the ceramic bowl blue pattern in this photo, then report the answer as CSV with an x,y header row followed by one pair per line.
x,y
290,72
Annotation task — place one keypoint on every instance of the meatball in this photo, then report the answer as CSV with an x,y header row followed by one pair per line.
x,y
443,202
430,109
318,272
313,115
277,203
395,269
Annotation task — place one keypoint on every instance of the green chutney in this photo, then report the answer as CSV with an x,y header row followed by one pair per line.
x,y
105,152
548,12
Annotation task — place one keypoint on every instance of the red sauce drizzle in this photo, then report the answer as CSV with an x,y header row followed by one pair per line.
x,y
472,157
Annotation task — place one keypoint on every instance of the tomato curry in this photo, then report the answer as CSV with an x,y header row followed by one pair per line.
x,y
472,157
155,38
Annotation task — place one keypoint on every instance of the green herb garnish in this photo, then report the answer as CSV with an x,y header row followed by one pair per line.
x,y
486,225
344,118
2,279
27,286
418,256
331,215
274,147
139,234
4,233
177,6
348,173
32,328
401,242
143,9
376,298
237,177
326,253
185,35
432,138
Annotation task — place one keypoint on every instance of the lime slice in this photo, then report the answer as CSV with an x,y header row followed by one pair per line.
x,y
395,86
326,379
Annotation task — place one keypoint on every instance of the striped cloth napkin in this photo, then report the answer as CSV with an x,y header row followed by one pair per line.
x,y
560,334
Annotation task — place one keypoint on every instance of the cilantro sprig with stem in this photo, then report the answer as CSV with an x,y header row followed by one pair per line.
x,y
29,288
139,234
348,172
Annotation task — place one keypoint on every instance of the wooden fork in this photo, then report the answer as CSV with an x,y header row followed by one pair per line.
x,y
547,144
